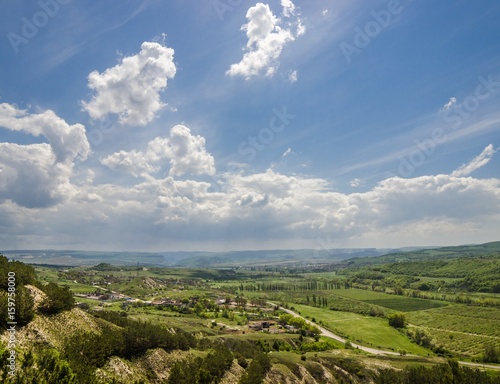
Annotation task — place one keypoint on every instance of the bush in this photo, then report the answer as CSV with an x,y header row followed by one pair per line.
x,y
243,362
397,320
491,354
25,274
58,299
257,370
211,369
326,345
421,338
449,373
45,367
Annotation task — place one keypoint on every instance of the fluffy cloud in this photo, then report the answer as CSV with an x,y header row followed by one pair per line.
x,y
288,8
38,175
134,162
270,206
30,176
185,152
132,88
266,39
477,162
67,141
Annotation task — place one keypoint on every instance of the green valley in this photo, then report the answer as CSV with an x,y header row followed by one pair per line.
x,y
323,323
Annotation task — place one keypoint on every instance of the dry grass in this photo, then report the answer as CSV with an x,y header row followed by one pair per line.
x,y
53,330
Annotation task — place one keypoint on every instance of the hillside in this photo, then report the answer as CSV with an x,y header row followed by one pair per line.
x,y
488,250
277,257
59,333
472,268
194,259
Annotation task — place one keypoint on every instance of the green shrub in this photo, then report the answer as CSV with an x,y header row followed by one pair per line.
x,y
397,320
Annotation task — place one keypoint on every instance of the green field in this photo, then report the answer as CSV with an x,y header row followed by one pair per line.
x,y
365,330
398,303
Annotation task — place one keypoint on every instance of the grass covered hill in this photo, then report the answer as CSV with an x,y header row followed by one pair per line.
x,y
474,268
487,250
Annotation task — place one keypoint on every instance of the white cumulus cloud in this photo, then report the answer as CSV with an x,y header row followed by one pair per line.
x,y
38,175
278,209
269,206
67,141
132,88
185,153
267,36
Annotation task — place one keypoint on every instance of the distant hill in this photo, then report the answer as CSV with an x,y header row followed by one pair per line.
x,y
295,257
475,268
278,257
105,267
193,259
489,250
72,258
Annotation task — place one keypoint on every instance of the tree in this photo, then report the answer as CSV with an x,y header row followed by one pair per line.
x,y
24,274
199,308
46,367
422,338
257,370
424,287
397,320
58,299
491,354
495,288
240,301
24,306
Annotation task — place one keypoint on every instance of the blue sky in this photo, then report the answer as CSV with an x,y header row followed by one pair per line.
x,y
218,125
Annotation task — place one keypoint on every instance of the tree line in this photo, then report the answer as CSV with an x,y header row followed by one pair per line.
x,y
312,285
448,373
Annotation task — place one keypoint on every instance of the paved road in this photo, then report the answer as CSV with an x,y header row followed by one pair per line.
x,y
374,351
